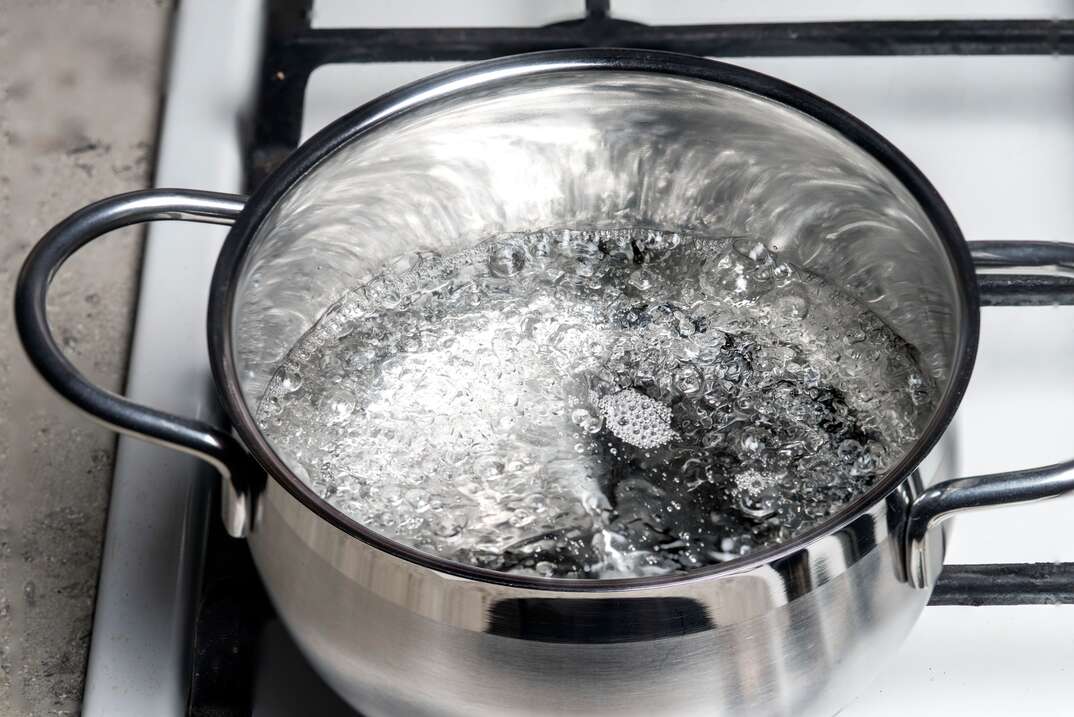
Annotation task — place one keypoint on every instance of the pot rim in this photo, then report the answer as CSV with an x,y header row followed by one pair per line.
x,y
358,122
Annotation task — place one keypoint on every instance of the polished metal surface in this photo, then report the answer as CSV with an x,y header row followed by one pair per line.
x,y
190,436
575,140
582,149
798,636
1045,273
1007,255
943,501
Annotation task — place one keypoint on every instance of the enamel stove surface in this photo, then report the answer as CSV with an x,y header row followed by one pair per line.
x,y
994,134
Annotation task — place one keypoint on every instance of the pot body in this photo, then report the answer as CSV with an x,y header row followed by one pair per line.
x,y
574,141
801,635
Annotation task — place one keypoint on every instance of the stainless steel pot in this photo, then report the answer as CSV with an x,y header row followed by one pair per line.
x,y
571,140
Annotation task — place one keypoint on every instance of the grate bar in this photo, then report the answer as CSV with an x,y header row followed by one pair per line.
x,y
1025,290
294,50
597,9
1019,584
798,39
1045,272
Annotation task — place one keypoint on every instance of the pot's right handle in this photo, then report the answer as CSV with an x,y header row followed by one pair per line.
x,y
1050,283
217,447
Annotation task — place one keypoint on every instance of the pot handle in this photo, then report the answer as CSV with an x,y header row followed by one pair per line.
x,y
1050,283
217,447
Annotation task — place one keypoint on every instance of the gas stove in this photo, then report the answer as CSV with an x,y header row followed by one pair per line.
x,y
982,104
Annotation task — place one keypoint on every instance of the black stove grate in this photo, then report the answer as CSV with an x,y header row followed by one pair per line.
x,y
233,609
294,50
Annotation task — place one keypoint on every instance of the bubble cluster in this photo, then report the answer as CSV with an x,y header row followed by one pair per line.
x,y
637,419
607,403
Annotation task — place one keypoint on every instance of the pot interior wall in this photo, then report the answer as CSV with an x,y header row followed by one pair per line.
x,y
590,149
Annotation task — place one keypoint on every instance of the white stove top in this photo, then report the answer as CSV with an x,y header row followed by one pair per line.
x,y
994,134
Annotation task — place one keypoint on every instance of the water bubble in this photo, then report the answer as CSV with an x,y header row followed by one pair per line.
x,y
270,407
416,498
757,507
447,526
753,250
507,260
919,388
684,325
640,280
287,380
864,464
849,450
754,441
521,518
688,380
713,439
586,420
338,405
545,568
756,493
792,306
783,274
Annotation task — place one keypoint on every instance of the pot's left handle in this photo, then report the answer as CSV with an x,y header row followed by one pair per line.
x,y
1046,279
217,447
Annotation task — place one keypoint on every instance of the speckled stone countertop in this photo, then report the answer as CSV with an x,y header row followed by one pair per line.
x,y
79,96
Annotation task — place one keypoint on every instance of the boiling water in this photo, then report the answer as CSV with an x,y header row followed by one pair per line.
x,y
595,403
